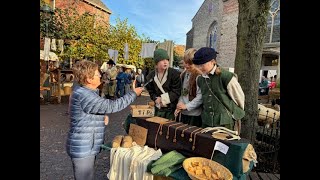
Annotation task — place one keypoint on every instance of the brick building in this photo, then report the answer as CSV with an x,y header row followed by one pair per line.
x,y
94,7
215,25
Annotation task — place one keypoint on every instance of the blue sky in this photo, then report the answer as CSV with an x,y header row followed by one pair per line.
x,y
157,19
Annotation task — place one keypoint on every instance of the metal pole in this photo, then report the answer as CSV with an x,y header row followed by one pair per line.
x,y
47,28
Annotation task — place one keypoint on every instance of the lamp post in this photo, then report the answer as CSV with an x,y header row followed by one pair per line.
x,y
47,13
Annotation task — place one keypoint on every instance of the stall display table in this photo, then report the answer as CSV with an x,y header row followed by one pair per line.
x,y
203,146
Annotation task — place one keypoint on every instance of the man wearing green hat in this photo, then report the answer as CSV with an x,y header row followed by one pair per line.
x,y
165,85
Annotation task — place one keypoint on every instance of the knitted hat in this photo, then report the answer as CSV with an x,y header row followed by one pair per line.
x,y
111,62
203,55
160,54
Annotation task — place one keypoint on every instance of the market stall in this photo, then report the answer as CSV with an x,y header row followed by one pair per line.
x,y
201,145
58,82
46,64
179,142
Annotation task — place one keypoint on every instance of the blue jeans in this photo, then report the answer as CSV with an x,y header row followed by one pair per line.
x,y
83,168
120,90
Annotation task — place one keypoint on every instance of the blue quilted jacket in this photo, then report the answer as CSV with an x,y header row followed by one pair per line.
x,y
87,112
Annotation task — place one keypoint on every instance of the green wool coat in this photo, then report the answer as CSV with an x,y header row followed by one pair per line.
x,y
214,112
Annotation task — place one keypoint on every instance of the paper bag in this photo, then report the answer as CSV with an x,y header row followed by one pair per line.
x,y
138,134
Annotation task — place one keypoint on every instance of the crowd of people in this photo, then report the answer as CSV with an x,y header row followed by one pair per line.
x,y
118,81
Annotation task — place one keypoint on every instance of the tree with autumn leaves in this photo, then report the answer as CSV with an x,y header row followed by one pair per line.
x,y
86,38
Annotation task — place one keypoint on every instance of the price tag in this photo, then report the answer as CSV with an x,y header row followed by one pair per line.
x,y
221,147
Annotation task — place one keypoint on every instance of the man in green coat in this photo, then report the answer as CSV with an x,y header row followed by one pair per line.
x,y
222,95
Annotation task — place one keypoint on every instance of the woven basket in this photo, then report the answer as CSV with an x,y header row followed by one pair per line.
x,y
225,174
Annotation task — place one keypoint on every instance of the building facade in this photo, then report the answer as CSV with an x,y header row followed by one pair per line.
x,y
93,7
215,25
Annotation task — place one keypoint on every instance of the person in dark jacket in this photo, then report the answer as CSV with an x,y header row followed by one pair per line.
x,y
165,88
121,82
140,78
88,117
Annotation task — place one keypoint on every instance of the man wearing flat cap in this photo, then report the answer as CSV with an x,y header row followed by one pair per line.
x,y
165,85
222,95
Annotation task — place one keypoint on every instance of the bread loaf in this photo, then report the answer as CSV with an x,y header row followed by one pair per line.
x,y
126,142
117,141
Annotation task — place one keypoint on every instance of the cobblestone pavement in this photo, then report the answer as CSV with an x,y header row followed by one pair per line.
x,y
55,164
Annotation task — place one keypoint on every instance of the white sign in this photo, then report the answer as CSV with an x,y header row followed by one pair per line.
x,y
221,147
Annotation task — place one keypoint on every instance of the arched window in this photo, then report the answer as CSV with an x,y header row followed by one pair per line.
x,y
213,35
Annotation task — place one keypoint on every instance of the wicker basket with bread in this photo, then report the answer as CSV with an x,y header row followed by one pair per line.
x,y
199,168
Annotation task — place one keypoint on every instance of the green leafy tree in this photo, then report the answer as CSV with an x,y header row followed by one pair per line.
x,y
87,38
123,33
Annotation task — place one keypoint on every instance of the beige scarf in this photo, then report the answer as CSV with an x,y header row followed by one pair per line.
x,y
165,99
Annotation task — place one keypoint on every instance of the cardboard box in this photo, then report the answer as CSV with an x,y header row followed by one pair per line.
x,y
151,103
142,111
138,134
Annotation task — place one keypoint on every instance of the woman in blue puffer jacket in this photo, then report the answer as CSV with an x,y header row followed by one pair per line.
x,y
88,118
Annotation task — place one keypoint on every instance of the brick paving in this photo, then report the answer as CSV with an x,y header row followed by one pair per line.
x,y
55,164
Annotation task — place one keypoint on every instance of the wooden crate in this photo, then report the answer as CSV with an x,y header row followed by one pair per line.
x,y
151,103
142,111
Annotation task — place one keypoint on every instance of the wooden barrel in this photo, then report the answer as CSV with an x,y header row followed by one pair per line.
x,y
56,92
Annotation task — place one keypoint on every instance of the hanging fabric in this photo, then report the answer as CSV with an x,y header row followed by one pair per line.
x,y
111,53
126,51
46,48
53,45
60,45
115,56
147,50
